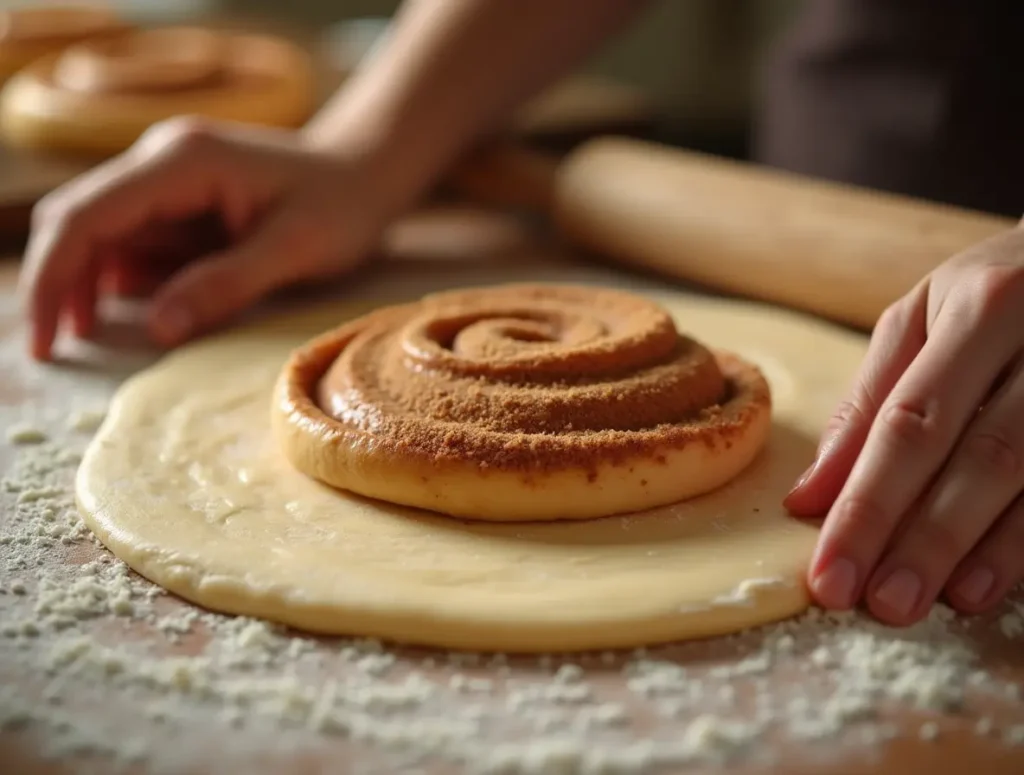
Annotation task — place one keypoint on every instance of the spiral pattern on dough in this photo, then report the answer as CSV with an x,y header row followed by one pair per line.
x,y
101,94
520,402
534,371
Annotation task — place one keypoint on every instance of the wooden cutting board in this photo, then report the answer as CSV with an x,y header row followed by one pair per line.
x,y
129,682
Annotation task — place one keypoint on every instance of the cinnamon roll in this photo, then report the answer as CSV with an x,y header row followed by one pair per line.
x,y
520,402
100,95
28,33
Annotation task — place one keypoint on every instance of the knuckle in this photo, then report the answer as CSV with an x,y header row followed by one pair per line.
x,y
911,422
891,319
996,285
992,449
857,515
60,211
846,413
179,135
48,209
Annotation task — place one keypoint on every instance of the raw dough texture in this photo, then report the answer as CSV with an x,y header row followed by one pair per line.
x,y
185,483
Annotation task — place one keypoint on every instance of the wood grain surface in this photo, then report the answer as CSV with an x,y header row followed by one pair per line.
x,y
428,251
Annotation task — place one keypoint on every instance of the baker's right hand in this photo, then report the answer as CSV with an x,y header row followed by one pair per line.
x,y
281,212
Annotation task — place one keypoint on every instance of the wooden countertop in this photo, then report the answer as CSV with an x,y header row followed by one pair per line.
x,y
114,680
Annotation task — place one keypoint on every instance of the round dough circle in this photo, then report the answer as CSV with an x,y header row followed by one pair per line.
x,y
185,483
270,83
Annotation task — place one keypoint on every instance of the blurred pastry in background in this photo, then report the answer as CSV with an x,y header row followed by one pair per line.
x,y
30,32
98,96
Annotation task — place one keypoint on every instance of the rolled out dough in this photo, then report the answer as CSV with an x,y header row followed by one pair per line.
x,y
184,483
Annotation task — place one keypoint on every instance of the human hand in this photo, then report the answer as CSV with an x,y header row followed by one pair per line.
x,y
921,470
211,217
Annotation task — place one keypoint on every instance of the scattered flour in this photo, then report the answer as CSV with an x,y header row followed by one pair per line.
x,y
1012,623
25,434
96,661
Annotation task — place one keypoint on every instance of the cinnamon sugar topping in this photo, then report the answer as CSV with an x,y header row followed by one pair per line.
x,y
529,377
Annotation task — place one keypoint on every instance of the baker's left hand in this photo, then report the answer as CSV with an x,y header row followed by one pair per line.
x,y
920,474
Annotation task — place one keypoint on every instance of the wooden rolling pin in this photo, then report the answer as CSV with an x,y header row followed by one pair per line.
x,y
836,251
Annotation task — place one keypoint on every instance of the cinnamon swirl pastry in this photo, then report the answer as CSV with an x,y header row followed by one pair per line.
x,y
100,95
520,402
30,32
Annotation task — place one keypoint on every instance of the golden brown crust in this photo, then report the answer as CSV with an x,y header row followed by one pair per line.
x,y
530,383
100,95
30,32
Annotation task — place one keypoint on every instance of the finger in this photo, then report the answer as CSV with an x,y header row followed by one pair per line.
x,y
993,567
896,341
115,199
146,260
124,277
179,240
210,292
82,301
133,276
980,481
913,434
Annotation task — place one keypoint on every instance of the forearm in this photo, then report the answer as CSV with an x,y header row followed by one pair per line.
x,y
452,70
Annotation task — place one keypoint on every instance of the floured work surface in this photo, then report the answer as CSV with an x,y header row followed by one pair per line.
x,y
97,665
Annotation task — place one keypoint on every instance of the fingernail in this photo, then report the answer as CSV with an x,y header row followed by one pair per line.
x,y
900,591
802,479
836,584
976,586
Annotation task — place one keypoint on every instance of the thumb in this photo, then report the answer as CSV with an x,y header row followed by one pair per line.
x,y
895,343
211,291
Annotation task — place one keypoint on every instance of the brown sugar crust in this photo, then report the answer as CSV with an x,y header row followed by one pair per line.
x,y
527,382
101,94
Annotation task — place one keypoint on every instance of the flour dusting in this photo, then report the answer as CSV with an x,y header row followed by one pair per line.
x,y
97,662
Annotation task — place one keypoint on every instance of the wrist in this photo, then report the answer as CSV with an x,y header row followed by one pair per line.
x,y
399,149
